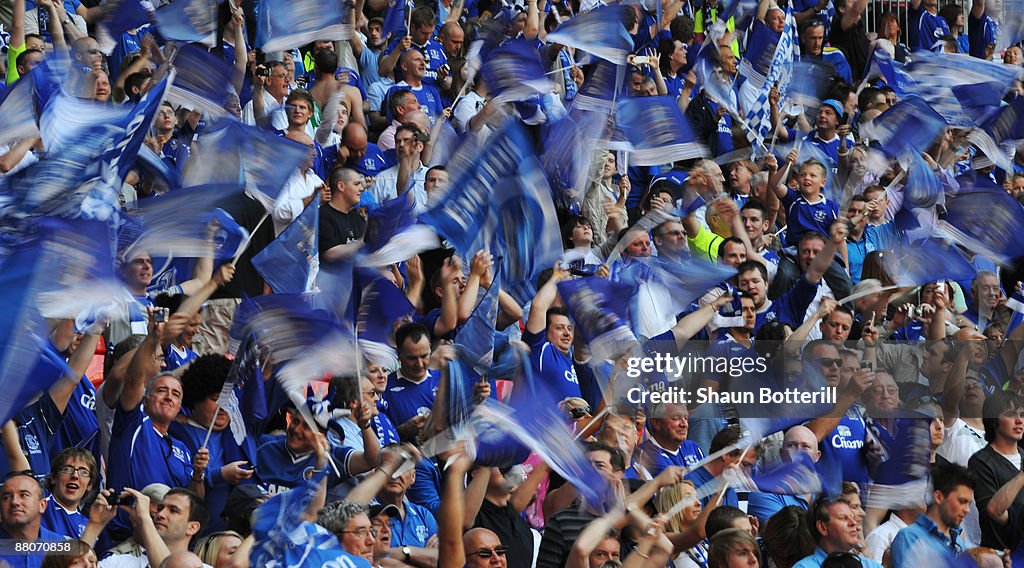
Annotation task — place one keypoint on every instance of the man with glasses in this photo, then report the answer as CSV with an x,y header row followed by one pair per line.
x,y
72,475
266,109
350,523
358,397
483,549
413,526
998,470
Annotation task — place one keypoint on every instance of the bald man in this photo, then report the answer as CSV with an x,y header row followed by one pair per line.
x,y
764,505
484,549
356,152
182,559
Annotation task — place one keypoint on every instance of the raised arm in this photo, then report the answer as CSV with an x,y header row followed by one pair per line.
x,y
241,50
819,266
688,326
538,319
475,493
854,9
478,267
450,551
62,390
978,9
16,459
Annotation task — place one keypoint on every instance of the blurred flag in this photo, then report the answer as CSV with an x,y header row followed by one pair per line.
x,y
670,287
475,340
985,220
599,314
601,88
394,21
795,477
925,262
334,282
17,111
246,379
923,189
568,151
778,73
289,264
285,24
909,126
901,481
383,308
203,82
657,131
1008,123
119,16
190,21
881,64
960,87
178,225
599,32
809,82
513,72
393,235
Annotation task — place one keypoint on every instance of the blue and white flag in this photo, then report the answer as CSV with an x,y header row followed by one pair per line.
x,y
178,225
289,264
985,219
893,73
922,189
285,24
393,235
601,88
779,72
190,21
1008,123
809,82
203,82
513,72
334,281
798,476
383,308
657,131
120,16
599,32
762,45
960,87
599,314
17,111
909,126
475,340
926,262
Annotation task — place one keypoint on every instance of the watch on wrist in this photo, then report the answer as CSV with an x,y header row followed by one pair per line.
x,y
408,553
201,476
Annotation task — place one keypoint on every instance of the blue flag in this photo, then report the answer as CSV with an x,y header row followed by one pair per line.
x,y
119,17
599,32
986,220
1008,123
334,281
17,111
177,225
795,477
513,72
657,131
289,264
394,21
601,88
925,262
203,82
910,126
923,189
599,314
284,24
893,74
190,21
808,83
393,235
960,87
383,307
475,340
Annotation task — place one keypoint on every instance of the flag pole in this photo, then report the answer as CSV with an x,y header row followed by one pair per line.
x,y
245,244
210,429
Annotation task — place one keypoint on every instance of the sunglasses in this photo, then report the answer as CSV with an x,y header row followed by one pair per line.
x,y
829,362
488,552
577,413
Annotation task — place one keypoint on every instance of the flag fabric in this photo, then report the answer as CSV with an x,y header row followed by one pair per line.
x,y
808,83
513,72
335,285
779,71
599,314
394,21
203,82
668,289
177,225
893,73
599,32
568,148
190,21
601,88
985,219
17,111
923,189
657,131
475,340
393,235
289,264
1008,123
958,87
244,386
119,16
909,126
382,306
286,24
795,477
925,262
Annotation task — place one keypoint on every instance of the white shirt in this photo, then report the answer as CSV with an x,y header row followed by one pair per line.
x,y
278,117
129,561
880,539
289,204
385,187
27,160
468,107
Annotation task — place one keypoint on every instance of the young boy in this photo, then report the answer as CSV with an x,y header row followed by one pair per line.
x,y
807,209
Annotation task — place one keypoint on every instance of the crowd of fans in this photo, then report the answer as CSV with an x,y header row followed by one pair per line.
x,y
133,457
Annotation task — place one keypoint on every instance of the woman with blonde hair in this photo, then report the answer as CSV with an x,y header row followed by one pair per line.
x,y
688,520
734,548
218,548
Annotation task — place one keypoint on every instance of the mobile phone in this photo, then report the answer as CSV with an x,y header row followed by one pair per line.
x,y
940,287
262,71
160,316
126,500
642,60
865,365
913,312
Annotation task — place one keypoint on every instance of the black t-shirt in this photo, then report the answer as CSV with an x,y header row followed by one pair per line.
x,y
248,213
994,470
853,43
337,228
512,529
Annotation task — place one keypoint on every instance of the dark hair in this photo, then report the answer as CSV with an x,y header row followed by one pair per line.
x,y
120,350
946,477
170,301
397,99
346,390
555,311
867,96
422,16
339,175
786,536
617,460
756,205
721,518
681,29
950,12
24,55
197,512
994,407
412,331
205,376
748,265
68,454
325,62
733,240
301,94
841,559
136,81
812,236
570,225
821,511
724,438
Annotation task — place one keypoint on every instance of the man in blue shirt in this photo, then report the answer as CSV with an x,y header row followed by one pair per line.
x,y
419,39
667,444
411,525
411,389
926,26
812,39
414,69
933,536
764,505
550,334
74,473
829,135
982,31
710,471
835,529
21,511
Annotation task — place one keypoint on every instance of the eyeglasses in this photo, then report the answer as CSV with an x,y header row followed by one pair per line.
x,y
363,533
829,362
488,552
82,472
577,413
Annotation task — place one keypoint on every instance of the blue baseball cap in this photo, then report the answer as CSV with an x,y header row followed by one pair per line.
x,y
836,105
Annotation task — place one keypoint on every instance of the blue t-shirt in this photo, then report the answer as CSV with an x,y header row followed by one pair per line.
x,y
428,96
700,477
981,33
60,521
656,459
406,399
915,539
802,216
28,560
829,147
552,366
764,505
925,28
37,425
174,359
791,307
280,470
79,427
876,237
139,455
432,52
426,490
415,529
845,445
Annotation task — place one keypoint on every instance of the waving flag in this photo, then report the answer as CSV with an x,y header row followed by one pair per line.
x,y
808,83
910,126
475,340
599,32
926,262
191,21
923,189
289,264
383,307
568,151
657,131
284,24
599,314
901,480
394,21
796,477
393,235
1008,123
203,82
985,220
334,281
600,90
759,114
120,16
17,111
513,72
178,225
244,386
892,73
959,87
